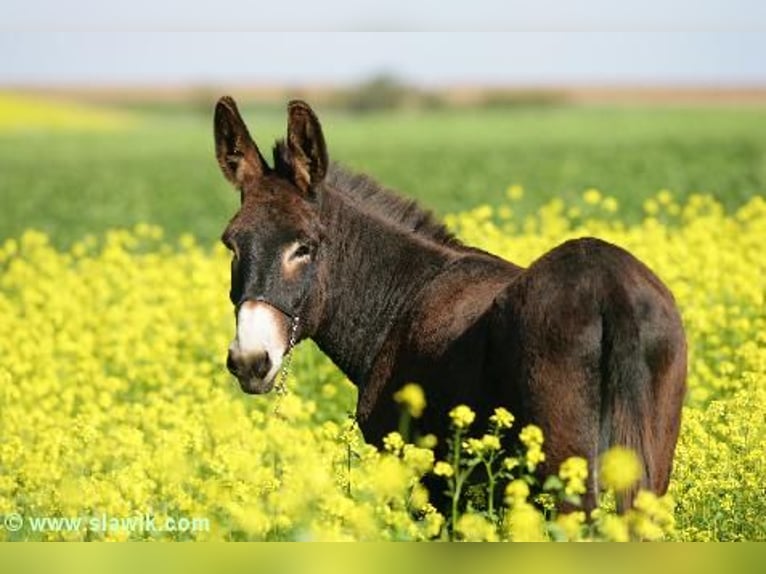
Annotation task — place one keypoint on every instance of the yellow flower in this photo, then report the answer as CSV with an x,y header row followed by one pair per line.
x,y
531,436
574,472
413,398
444,469
514,192
592,196
490,442
473,527
462,416
664,197
421,460
524,524
393,442
487,443
614,528
620,468
419,498
428,441
502,418
651,517
473,446
516,491
610,205
534,456
30,112
651,207
505,212
572,524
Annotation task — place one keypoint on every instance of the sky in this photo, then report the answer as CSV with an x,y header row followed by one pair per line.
x,y
546,42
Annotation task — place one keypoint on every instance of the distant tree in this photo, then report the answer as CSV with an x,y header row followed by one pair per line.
x,y
381,92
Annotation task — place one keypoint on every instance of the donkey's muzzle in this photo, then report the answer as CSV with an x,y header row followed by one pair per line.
x,y
252,371
259,346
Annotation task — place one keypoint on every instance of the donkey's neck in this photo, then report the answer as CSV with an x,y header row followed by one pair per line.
x,y
374,270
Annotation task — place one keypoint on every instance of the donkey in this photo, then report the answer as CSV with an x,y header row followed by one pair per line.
x,y
586,343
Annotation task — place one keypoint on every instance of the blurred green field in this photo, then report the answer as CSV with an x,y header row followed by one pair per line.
x,y
161,169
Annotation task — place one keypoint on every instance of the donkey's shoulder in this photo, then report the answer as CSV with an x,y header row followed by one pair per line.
x,y
456,298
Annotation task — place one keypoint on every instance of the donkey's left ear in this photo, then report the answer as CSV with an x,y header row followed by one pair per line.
x,y
306,144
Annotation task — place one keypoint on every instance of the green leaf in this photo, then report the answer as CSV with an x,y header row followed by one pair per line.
x,y
553,482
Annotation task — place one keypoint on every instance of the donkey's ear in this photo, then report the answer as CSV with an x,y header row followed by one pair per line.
x,y
237,154
307,146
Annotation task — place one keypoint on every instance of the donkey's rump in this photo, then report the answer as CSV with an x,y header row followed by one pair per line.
x,y
598,356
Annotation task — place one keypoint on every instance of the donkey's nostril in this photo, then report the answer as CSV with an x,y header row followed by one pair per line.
x,y
261,366
231,365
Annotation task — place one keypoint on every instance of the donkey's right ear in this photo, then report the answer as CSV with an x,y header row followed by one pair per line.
x,y
238,156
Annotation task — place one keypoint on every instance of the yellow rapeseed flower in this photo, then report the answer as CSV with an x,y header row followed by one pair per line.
x,y
393,442
428,441
420,460
574,473
523,523
614,528
592,196
490,443
531,437
462,416
514,192
620,468
572,524
502,418
442,468
651,207
412,397
473,446
28,112
664,197
473,527
516,491
610,205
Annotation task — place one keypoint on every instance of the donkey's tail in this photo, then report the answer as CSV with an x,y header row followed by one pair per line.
x,y
625,396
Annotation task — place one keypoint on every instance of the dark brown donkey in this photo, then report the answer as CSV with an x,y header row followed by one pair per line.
x,y
587,342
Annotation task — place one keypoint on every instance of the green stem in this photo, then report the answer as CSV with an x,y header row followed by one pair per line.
x,y
404,425
458,483
490,487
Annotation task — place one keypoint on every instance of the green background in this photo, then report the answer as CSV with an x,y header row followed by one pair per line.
x,y
161,169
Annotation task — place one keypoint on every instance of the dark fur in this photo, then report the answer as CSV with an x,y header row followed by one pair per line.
x,y
587,343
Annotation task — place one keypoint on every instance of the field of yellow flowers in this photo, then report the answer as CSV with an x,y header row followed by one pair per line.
x,y
25,112
119,421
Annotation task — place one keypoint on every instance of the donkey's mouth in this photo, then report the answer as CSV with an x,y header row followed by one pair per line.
x,y
256,386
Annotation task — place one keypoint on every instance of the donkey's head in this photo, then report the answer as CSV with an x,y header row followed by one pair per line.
x,y
275,239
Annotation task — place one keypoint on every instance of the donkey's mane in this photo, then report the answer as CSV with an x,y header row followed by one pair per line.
x,y
376,200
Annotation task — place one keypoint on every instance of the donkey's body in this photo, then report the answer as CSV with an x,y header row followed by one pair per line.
x,y
580,343
586,342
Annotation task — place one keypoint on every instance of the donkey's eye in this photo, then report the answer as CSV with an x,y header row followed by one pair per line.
x,y
303,251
